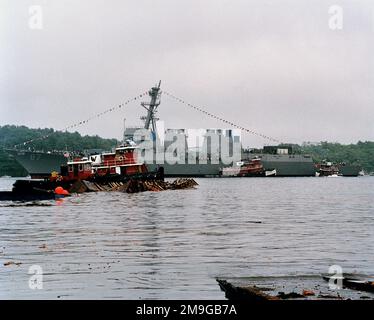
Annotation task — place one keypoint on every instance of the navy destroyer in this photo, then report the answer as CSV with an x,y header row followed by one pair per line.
x,y
201,160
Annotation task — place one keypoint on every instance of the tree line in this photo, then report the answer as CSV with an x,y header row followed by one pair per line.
x,y
361,153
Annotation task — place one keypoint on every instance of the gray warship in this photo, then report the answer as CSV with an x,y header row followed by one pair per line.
x,y
278,159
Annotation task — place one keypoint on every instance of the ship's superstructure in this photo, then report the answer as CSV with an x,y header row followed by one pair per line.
x,y
182,151
284,161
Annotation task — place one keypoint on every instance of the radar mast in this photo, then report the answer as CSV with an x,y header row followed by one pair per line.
x,y
151,107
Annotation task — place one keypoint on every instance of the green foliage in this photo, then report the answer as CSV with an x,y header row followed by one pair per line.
x,y
361,153
11,135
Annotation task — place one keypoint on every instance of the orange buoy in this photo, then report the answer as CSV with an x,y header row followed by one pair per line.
x,y
59,190
65,192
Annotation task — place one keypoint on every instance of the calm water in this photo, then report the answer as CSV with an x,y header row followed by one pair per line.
x,y
173,244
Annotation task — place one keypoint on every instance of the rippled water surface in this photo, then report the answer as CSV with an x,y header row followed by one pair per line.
x,y
174,244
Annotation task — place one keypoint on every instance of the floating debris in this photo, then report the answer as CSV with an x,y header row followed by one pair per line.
x,y
132,186
10,263
311,287
355,284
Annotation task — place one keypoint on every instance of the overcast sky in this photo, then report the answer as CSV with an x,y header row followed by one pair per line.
x,y
272,66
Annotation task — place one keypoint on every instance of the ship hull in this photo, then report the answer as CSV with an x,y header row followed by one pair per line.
x,y
349,170
288,165
188,170
41,164
38,164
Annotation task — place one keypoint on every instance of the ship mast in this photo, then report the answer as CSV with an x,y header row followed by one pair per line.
x,y
151,108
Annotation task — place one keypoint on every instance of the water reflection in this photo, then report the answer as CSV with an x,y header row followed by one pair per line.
x,y
173,244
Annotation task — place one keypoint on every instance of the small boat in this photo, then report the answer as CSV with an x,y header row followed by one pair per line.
x,y
326,169
271,173
330,169
34,190
248,168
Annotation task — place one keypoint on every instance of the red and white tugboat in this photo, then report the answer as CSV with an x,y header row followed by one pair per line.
x,y
248,168
120,163
327,169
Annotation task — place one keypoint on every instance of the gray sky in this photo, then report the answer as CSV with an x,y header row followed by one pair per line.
x,y
273,66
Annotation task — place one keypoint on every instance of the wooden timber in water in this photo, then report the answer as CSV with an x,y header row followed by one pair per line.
x,y
132,185
311,287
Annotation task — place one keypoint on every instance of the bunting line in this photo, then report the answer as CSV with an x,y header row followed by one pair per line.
x,y
122,105
83,122
219,118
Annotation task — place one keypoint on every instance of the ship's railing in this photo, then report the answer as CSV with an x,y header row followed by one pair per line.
x,y
69,154
114,163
